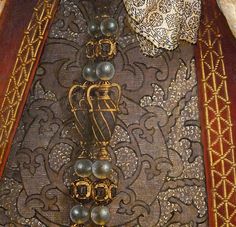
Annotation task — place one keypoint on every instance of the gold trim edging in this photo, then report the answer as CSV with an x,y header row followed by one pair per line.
x,y
26,58
219,125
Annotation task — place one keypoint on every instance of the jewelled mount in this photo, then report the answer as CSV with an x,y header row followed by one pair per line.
x,y
94,105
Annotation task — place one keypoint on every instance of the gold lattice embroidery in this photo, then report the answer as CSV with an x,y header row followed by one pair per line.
x,y
25,61
218,124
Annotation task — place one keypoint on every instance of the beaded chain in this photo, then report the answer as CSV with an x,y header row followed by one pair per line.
x,y
95,108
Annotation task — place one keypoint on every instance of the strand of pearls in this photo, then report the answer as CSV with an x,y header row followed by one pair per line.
x,y
93,177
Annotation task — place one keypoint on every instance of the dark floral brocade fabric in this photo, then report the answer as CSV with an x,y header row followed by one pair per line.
x,y
156,148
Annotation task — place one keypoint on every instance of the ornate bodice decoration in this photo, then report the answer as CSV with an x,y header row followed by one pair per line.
x,y
94,104
163,23
156,151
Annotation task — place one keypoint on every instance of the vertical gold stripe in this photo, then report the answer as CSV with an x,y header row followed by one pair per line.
x,y
216,102
22,69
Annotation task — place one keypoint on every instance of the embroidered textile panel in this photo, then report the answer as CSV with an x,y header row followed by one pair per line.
x,y
216,74
156,148
23,31
163,23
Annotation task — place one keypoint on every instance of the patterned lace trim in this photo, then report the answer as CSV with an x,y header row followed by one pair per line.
x,y
163,23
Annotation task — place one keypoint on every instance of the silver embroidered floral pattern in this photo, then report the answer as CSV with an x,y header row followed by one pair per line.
x,y
59,156
123,156
176,91
156,149
184,190
119,135
163,23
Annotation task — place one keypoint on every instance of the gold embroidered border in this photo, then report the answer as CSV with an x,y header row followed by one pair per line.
x,y
24,64
220,141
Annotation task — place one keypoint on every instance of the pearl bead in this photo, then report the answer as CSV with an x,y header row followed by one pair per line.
x,y
94,29
83,167
79,214
109,27
89,72
100,215
105,70
101,169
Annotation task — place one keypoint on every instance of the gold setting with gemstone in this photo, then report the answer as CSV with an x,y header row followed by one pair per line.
x,y
103,48
95,105
82,190
107,191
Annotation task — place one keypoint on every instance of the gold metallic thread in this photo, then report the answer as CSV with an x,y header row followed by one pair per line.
x,y
221,148
26,58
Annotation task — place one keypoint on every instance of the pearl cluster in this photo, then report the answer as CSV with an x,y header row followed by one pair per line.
x,y
101,169
103,70
100,214
93,183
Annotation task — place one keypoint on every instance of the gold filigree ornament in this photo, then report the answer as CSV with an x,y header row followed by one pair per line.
x,y
103,113
82,190
104,48
94,105
79,108
104,191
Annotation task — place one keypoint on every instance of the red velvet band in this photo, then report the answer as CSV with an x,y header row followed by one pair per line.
x,y
215,58
20,50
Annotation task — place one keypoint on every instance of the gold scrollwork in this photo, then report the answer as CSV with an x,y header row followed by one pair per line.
x,y
103,89
91,49
104,48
